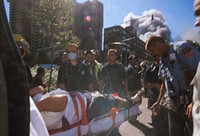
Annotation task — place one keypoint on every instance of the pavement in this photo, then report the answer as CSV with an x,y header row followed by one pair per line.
x,y
140,126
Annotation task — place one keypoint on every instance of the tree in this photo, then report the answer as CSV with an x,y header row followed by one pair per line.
x,y
54,19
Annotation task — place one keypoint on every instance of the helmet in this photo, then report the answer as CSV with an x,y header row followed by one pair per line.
x,y
22,44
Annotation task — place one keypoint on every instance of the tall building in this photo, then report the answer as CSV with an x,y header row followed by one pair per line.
x,y
38,41
21,22
88,23
20,17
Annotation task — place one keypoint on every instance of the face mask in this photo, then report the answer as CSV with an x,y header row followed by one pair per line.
x,y
72,55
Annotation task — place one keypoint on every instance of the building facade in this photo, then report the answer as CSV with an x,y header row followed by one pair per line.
x,y
87,25
125,40
20,21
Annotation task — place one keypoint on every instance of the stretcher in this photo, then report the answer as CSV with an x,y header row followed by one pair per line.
x,y
103,123
91,122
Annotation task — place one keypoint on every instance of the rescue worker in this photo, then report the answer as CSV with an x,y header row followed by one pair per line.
x,y
133,75
177,67
94,71
74,75
37,125
23,47
152,85
112,77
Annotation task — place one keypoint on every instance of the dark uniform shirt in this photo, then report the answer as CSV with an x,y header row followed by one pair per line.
x,y
74,77
113,77
134,78
151,74
151,77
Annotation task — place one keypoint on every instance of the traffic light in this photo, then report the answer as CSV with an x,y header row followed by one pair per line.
x,y
88,21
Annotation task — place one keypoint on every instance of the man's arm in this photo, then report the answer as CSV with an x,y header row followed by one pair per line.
x,y
161,89
53,103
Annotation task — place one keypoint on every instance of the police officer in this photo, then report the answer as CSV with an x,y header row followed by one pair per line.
x,y
177,68
37,125
24,49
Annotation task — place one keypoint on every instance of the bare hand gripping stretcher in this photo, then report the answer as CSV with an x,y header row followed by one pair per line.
x,y
88,113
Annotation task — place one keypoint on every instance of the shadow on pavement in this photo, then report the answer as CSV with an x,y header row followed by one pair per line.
x,y
147,131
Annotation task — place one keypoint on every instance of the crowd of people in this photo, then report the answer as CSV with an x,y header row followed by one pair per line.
x,y
166,83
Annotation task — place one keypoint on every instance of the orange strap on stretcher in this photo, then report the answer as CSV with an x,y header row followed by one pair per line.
x,y
84,120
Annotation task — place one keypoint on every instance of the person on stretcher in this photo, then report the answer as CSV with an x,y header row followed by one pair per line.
x,y
67,113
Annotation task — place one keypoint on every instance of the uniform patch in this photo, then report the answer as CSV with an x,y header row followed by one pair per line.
x,y
188,52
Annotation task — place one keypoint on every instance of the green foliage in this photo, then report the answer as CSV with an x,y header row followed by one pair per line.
x,y
54,20
54,17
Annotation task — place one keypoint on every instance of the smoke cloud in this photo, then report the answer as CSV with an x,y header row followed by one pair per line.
x,y
191,34
151,22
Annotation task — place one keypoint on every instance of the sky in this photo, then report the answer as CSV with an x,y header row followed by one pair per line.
x,y
173,19
176,16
